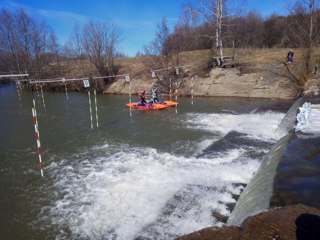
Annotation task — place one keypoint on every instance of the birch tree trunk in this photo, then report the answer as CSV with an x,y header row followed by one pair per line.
x,y
219,47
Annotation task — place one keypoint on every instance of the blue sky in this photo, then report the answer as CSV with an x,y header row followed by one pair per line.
x,y
137,19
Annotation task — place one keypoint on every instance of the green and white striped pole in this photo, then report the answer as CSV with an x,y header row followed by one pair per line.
x,y
96,106
90,109
128,80
65,87
87,85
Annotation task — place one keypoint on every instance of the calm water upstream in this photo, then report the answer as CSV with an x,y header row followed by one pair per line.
x,y
147,176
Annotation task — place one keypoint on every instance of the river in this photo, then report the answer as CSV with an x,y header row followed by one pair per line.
x,y
148,176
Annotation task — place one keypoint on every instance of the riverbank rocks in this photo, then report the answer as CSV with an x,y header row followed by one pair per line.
x,y
258,81
291,222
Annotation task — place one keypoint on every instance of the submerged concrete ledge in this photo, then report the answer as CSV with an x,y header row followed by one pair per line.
x,y
257,195
285,187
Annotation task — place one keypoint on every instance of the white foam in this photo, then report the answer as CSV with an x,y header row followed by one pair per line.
x,y
308,119
106,145
123,192
257,125
120,194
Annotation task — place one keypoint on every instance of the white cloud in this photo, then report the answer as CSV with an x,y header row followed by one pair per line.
x,y
48,14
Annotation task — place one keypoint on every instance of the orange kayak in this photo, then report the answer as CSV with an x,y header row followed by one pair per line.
x,y
153,106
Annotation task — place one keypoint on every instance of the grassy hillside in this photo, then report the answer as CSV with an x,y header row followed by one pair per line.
x,y
198,62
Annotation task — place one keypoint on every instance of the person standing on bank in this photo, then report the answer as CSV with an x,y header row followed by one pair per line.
x,y
290,56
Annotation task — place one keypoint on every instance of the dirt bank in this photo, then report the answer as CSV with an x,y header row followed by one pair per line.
x,y
260,81
292,222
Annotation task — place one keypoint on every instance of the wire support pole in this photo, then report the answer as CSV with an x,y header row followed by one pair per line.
x,y
33,81
112,76
36,129
13,75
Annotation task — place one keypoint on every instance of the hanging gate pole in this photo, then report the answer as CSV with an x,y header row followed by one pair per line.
x,y
36,129
96,107
44,105
90,109
192,90
18,89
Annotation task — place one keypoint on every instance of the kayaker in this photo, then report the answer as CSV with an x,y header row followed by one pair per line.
x,y
154,91
142,98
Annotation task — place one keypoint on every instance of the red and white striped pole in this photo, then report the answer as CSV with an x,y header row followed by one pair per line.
x,y
36,129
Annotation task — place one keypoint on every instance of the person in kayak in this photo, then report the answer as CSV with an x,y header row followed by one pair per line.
x,y
154,92
142,98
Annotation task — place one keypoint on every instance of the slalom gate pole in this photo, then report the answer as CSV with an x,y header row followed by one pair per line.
x,y
36,129
90,109
44,105
96,106
37,89
192,90
170,88
130,97
18,89
176,91
65,87
127,79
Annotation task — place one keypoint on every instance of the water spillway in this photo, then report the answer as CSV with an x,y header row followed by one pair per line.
x,y
289,174
256,196
289,119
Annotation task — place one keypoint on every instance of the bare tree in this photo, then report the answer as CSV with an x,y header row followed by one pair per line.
x,y
96,42
76,49
212,10
24,43
302,23
100,42
163,58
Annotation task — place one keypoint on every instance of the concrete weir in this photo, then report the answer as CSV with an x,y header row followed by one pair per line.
x,y
289,174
